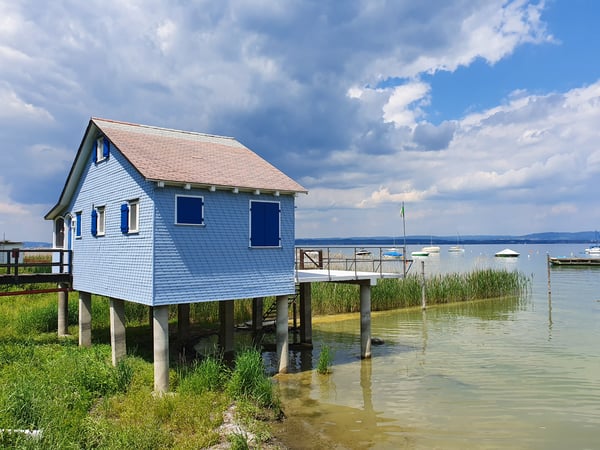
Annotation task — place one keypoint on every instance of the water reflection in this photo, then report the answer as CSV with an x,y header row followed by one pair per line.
x,y
509,373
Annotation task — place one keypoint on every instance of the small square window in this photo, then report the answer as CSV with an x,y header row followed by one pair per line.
x,y
189,210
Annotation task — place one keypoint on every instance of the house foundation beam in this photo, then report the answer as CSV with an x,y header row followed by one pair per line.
x,y
365,321
160,327
183,321
306,313
257,313
63,310
226,330
85,319
117,330
281,332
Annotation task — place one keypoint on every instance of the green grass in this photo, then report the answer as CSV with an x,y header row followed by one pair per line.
x,y
81,401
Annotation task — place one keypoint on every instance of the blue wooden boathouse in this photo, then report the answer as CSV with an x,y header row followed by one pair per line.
x,y
166,217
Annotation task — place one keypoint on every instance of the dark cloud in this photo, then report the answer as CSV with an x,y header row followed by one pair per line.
x,y
430,137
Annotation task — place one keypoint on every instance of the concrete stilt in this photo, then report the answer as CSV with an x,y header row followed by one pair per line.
x,y
85,319
160,326
183,321
306,313
63,311
226,330
117,330
257,313
365,321
282,333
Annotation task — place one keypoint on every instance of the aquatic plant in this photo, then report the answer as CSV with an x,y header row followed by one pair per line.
x,y
334,298
325,357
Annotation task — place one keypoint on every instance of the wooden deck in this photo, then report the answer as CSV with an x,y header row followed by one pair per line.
x,y
342,276
347,264
19,267
574,261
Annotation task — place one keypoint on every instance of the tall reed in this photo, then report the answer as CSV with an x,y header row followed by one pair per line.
x,y
333,298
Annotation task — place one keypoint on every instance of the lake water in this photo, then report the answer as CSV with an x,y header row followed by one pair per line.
x,y
500,374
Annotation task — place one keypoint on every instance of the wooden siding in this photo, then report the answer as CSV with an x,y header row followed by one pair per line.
x,y
214,261
114,265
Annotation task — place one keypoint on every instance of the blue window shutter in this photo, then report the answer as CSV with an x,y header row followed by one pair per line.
x,y
78,224
94,222
105,148
190,210
124,218
265,224
94,152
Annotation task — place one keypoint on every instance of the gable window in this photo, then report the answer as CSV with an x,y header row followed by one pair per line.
x,y
130,216
101,149
78,224
98,220
189,210
265,220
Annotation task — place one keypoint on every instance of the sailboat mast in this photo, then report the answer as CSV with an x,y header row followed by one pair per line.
x,y
403,226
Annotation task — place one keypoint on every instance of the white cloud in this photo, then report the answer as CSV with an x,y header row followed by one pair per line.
x,y
401,108
15,108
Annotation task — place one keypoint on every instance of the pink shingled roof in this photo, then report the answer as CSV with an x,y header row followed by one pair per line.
x,y
186,157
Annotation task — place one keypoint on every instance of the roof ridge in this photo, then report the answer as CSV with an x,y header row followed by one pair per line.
x,y
141,125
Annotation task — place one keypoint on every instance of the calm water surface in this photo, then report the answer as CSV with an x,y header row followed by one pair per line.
x,y
512,374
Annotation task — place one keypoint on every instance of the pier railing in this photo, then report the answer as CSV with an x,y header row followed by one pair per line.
x,y
20,266
373,259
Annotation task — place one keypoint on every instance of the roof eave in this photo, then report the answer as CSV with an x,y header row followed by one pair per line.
x,y
232,188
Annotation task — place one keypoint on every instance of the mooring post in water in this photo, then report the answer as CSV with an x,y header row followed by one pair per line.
x,y
548,268
365,321
423,303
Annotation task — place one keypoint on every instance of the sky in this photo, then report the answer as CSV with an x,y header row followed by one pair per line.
x,y
480,116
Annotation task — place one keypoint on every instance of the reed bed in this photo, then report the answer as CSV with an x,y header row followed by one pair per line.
x,y
333,298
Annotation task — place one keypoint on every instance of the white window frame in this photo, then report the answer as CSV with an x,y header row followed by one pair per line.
x,y
101,220
133,220
100,149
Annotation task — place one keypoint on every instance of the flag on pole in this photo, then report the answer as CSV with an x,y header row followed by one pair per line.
x,y
402,210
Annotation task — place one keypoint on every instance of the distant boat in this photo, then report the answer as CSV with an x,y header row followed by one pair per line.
x,y
362,252
456,248
431,249
392,253
420,253
593,250
507,253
